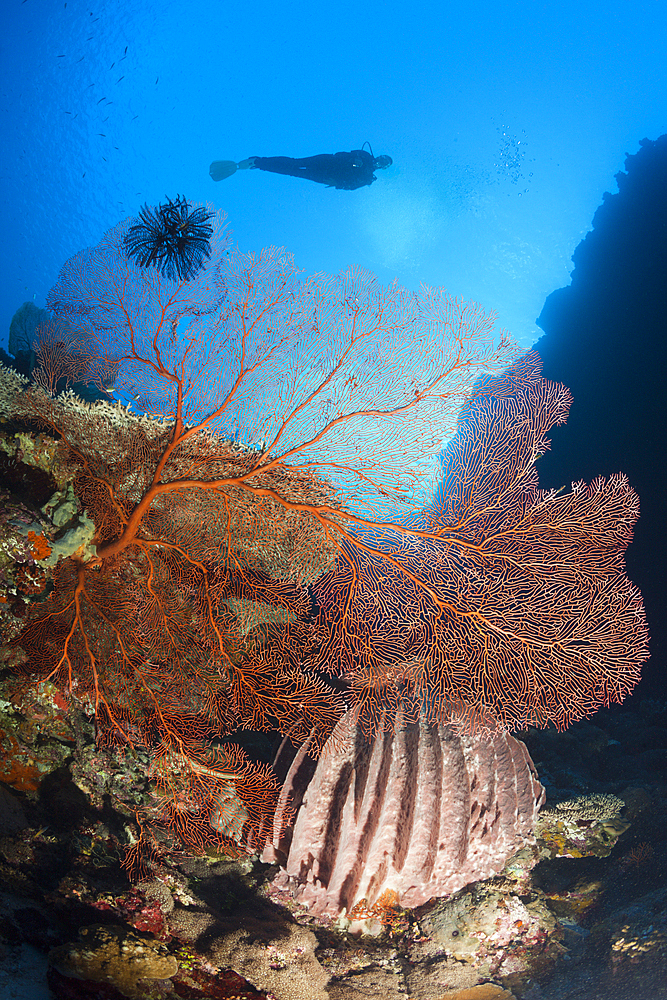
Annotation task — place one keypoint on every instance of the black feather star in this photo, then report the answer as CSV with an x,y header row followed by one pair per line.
x,y
172,237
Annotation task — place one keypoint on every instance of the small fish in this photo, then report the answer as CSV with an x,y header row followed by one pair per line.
x,y
60,57
90,85
102,134
120,78
101,99
157,80
125,52
134,119
112,65
81,59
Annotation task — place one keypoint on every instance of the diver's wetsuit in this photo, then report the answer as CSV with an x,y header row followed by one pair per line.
x,y
345,171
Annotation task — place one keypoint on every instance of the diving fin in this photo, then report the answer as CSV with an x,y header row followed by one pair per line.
x,y
220,169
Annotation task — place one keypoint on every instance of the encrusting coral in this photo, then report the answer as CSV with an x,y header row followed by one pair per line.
x,y
112,955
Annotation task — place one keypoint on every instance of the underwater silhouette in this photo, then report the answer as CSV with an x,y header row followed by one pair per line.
x,y
345,171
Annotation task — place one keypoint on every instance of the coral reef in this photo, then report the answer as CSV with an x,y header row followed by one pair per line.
x,y
261,537
61,872
492,931
184,613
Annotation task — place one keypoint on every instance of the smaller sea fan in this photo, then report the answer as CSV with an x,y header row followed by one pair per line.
x,y
172,237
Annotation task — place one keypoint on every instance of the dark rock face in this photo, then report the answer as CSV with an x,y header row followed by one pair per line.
x,y
12,816
419,811
606,339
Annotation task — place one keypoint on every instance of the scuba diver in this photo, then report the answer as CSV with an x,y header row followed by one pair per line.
x,y
344,171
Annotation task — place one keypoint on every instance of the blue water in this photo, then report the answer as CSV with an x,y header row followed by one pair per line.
x,y
506,122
